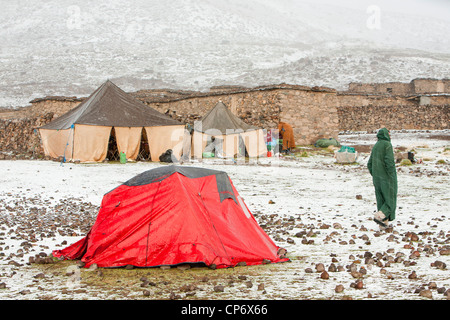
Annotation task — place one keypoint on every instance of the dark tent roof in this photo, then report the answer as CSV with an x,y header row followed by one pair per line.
x,y
159,174
221,118
111,106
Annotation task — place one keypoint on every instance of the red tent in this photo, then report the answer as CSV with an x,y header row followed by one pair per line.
x,y
173,215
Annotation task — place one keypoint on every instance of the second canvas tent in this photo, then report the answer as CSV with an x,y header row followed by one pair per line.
x,y
228,134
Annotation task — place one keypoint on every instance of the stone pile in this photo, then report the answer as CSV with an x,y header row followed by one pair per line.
x,y
20,139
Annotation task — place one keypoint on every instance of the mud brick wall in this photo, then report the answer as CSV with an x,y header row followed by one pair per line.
x,y
419,117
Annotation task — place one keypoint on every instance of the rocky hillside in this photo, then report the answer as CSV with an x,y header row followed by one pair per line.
x,y
54,47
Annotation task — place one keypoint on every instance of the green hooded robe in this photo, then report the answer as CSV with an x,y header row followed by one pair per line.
x,y
381,166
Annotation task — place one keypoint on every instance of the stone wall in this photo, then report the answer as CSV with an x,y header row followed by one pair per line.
x,y
55,105
313,112
259,108
426,86
345,99
369,118
19,139
415,87
395,88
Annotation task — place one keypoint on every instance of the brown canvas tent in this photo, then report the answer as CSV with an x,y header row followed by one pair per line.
x,y
229,133
84,132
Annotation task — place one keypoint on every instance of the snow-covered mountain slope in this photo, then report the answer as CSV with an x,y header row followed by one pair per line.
x,y
63,47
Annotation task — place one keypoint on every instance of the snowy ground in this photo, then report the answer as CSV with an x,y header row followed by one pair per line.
x,y
320,211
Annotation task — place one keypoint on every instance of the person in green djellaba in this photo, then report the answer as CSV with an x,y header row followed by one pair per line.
x,y
381,166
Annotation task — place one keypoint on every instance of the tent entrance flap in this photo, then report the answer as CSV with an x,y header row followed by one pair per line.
x,y
128,141
144,149
113,152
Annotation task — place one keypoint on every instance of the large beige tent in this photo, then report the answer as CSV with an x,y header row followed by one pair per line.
x,y
229,133
84,133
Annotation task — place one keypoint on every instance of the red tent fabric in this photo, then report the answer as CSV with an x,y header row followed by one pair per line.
x,y
173,215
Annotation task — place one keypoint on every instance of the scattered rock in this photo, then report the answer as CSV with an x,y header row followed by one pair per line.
x,y
359,284
219,288
339,288
146,293
320,267
426,294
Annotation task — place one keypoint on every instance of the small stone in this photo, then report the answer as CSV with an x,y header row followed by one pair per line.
x,y
174,296
413,275
146,293
426,294
440,290
184,267
439,264
359,285
219,288
324,275
356,274
414,237
80,264
432,285
93,267
339,288
447,293
320,267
